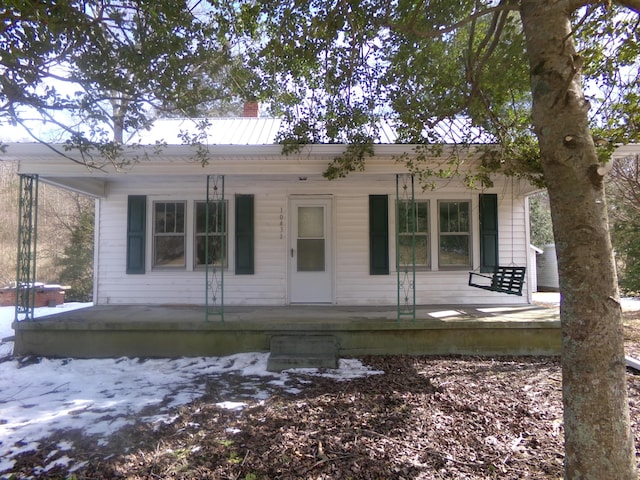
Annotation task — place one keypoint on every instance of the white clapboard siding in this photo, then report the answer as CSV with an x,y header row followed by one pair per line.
x,y
266,287
352,252
269,285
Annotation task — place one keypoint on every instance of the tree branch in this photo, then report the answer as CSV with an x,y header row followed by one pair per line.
x,y
438,32
633,5
49,145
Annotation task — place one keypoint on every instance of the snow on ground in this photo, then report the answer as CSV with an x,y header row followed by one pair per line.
x,y
628,304
40,396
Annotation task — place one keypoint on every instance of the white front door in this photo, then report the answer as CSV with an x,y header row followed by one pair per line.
x,y
310,251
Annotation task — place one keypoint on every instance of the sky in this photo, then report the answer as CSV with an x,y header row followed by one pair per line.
x,y
40,396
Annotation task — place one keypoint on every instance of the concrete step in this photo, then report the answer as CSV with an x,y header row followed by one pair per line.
x,y
303,351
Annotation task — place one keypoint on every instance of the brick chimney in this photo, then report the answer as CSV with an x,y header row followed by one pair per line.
x,y
250,109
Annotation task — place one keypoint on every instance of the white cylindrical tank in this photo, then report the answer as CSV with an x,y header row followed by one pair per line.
x,y
547,270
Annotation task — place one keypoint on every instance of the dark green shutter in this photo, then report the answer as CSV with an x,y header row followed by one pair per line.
x,y
488,232
136,229
244,235
378,235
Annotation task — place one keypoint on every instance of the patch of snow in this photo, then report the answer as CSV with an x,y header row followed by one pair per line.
x,y
99,397
231,405
7,314
628,304
63,461
64,445
444,313
348,369
77,466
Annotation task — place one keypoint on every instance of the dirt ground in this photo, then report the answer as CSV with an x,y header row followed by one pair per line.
x,y
424,418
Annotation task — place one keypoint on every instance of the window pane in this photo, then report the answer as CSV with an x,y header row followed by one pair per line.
x,y
216,217
216,254
447,218
454,217
168,234
463,217
217,229
169,217
169,250
422,212
422,252
310,255
421,221
454,250
406,224
404,217
200,218
310,222
160,216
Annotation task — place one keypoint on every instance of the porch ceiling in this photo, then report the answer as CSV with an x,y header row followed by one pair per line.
x,y
93,187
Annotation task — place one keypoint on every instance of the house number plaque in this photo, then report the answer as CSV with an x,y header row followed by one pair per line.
x,y
281,223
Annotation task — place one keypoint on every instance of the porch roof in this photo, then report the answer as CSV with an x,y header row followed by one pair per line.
x,y
90,174
629,150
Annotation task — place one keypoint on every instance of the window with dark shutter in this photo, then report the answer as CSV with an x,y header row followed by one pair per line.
x,y
136,230
378,235
244,235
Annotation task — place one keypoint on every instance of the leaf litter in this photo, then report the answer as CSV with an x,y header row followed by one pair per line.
x,y
419,417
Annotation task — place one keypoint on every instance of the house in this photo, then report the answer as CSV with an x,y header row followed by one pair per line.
x,y
282,233
296,263
265,243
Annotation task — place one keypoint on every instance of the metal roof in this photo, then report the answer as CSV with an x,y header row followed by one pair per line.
x,y
232,131
220,131
259,131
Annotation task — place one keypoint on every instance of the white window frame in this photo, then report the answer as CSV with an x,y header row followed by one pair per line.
x,y
426,234
155,234
197,235
189,235
468,233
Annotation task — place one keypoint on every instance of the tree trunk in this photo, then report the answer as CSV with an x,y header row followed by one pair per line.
x,y
118,107
598,440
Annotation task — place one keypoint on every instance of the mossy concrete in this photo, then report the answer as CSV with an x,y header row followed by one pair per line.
x,y
162,331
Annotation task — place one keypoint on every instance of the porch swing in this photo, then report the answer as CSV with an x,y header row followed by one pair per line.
x,y
504,279
509,279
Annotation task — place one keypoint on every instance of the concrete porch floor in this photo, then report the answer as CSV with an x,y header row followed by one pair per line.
x,y
173,331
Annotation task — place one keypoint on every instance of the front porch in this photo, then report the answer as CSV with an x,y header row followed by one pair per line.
x,y
174,331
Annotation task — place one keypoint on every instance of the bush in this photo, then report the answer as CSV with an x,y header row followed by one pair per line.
x,y
540,220
77,260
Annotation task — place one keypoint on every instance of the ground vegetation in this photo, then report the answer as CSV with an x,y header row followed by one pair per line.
x,y
508,73
426,417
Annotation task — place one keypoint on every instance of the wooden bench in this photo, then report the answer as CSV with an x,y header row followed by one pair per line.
x,y
505,280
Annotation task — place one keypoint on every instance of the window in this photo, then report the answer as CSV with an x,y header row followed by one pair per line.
x,y
169,234
311,239
217,224
406,224
455,234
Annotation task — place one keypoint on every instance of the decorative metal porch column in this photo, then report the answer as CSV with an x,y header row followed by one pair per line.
x,y
214,274
406,230
27,237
